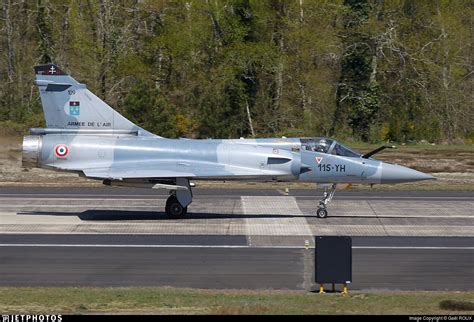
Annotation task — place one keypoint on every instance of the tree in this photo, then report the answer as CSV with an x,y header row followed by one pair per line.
x,y
372,70
150,109
357,97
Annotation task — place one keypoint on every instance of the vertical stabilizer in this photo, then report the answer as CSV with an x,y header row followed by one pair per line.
x,y
68,104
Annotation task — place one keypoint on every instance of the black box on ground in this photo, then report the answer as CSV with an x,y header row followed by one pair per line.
x,y
333,259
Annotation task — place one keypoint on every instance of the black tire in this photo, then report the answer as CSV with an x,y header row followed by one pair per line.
x,y
174,209
322,213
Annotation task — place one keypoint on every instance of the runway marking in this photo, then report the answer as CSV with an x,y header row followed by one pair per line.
x,y
291,223
231,246
97,233
412,247
74,196
77,206
86,199
265,218
147,197
400,216
390,197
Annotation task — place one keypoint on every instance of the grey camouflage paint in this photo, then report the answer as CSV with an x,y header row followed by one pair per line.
x,y
102,144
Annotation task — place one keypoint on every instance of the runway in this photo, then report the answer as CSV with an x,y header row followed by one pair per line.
x,y
232,238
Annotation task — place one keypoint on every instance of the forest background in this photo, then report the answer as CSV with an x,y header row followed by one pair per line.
x,y
358,70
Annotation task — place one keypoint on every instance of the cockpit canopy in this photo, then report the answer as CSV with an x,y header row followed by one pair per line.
x,y
328,146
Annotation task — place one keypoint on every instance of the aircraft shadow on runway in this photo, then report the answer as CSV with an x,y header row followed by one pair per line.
x,y
111,215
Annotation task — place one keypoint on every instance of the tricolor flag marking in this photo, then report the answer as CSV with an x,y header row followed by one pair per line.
x,y
61,150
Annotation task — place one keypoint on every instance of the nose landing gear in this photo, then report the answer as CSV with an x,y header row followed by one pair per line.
x,y
327,197
321,212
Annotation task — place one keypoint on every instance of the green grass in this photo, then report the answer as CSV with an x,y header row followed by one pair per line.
x,y
193,301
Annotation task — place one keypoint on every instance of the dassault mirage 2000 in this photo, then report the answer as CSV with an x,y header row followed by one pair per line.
x,y
84,135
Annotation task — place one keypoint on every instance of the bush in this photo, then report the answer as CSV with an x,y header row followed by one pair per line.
x,y
451,305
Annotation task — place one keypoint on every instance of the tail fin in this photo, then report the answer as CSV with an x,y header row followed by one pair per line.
x,y
69,105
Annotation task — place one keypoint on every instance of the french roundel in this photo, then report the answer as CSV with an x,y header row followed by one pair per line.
x,y
61,150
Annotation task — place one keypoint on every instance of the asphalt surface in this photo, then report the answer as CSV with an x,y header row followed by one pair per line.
x,y
229,242
118,192
236,268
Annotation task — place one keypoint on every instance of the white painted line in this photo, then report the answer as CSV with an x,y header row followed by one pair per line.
x,y
411,247
64,232
396,216
144,246
86,199
58,196
415,216
147,197
227,246
390,197
78,206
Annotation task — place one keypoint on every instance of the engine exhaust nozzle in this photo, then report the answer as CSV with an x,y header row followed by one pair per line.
x,y
31,151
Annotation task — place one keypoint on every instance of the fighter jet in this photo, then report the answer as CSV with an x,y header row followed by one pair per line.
x,y
84,135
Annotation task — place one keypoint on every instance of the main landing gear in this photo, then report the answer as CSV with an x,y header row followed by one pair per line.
x,y
174,209
327,197
179,199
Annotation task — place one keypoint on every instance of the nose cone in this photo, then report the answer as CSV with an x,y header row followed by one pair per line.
x,y
392,173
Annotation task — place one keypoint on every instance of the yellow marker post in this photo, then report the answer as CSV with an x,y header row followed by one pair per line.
x,y
306,244
287,191
321,289
344,289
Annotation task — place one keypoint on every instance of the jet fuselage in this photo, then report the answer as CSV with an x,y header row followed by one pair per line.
x,y
122,157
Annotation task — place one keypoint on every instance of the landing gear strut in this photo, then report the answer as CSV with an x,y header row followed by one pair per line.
x,y
327,197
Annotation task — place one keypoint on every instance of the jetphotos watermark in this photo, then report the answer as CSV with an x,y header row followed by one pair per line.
x,y
30,318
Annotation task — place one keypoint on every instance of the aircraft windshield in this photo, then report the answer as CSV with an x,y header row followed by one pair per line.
x,y
341,150
324,145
